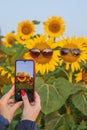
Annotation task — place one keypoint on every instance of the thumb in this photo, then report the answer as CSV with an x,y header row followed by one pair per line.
x,y
24,98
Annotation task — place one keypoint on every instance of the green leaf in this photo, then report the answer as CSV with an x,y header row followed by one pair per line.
x,y
79,99
6,88
63,127
83,125
19,52
36,22
54,95
77,88
13,124
2,60
8,50
52,120
17,115
55,121
57,48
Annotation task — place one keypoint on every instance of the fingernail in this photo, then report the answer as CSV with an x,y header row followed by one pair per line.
x,y
23,92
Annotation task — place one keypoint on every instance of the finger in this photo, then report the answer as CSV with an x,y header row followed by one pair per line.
x,y
37,101
24,98
8,94
37,97
22,106
11,101
11,104
17,105
32,103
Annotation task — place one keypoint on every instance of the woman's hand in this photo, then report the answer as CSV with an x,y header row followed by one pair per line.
x,y
8,106
30,110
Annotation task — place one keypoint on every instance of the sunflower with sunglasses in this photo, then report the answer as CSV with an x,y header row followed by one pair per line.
x,y
42,51
73,51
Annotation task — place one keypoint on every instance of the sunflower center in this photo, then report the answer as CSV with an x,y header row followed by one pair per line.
x,y
21,78
10,40
22,39
41,59
84,75
54,26
26,29
70,53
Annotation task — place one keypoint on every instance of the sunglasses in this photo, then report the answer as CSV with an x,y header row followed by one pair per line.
x,y
74,52
48,52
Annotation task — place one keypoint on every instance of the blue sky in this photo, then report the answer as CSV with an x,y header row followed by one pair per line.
x,y
26,67
73,12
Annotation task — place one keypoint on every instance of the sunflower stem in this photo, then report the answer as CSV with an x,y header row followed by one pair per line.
x,y
64,72
70,76
68,111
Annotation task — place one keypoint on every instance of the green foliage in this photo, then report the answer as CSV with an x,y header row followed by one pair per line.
x,y
14,52
79,99
53,93
56,93
36,22
13,124
6,88
55,121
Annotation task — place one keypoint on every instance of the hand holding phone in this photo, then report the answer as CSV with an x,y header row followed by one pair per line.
x,y
24,79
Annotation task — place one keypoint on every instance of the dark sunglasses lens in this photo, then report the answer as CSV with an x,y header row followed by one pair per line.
x,y
34,52
47,52
76,52
64,51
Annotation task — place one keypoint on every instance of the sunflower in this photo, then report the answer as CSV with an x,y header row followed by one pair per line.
x,y
44,62
28,77
21,76
21,40
5,77
82,76
73,51
54,26
30,82
26,29
9,39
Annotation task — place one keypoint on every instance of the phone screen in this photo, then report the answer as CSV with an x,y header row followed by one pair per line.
x,y
24,79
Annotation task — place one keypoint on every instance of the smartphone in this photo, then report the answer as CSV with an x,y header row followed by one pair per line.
x,y
24,79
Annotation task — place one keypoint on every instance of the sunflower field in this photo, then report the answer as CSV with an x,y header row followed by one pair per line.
x,y
61,72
